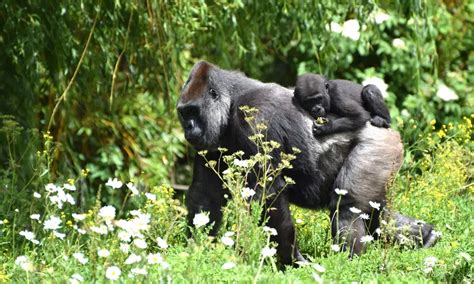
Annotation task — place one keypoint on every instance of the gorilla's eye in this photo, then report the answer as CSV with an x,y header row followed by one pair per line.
x,y
213,93
327,86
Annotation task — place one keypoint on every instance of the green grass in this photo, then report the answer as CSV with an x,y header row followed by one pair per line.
x,y
438,191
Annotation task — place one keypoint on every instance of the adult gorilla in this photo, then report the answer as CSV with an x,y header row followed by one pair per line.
x,y
361,162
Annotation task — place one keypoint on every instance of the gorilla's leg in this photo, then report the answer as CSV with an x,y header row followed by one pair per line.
x,y
205,194
373,101
215,213
365,174
419,232
279,217
347,229
374,223
379,121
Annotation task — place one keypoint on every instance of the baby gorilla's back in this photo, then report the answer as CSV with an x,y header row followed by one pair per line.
x,y
369,97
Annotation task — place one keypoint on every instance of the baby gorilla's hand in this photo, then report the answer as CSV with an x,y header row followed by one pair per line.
x,y
321,129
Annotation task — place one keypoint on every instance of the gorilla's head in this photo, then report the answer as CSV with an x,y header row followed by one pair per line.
x,y
311,92
204,105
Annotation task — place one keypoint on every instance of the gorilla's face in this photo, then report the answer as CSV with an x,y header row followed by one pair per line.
x,y
312,93
320,103
203,107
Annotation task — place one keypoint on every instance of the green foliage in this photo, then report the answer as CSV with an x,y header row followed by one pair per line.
x,y
88,90
147,238
114,69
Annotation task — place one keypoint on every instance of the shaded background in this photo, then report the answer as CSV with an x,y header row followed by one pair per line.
x,y
114,70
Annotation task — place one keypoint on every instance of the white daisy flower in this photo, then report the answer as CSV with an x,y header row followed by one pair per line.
x,y
139,271
430,261
335,27
140,243
268,252
101,230
340,191
70,187
78,217
466,256
103,252
201,219
113,273
51,187
162,243
154,258
76,278
271,231
398,43
35,216
374,205
124,236
133,258
350,29
380,17
446,94
366,239
125,248
150,196
53,223
114,183
59,235
247,192
24,263
228,265
241,163
227,241
79,256
27,234
364,216
107,212
133,188
355,210
165,265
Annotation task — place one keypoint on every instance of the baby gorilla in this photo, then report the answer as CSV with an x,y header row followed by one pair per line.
x,y
351,103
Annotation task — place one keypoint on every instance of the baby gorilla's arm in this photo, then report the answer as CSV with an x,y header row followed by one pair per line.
x,y
341,124
373,101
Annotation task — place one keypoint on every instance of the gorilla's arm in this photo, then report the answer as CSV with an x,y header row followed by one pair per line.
x,y
373,101
351,116
205,193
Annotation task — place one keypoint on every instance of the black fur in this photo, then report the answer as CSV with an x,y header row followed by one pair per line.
x,y
344,160
350,104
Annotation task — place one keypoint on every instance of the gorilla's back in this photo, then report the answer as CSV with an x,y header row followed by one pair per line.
x,y
321,158
316,167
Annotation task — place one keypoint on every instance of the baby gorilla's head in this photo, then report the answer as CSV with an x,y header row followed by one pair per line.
x,y
311,93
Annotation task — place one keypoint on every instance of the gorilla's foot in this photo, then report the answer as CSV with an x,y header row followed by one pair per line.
x,y
431,239
379,121
299,259
421,233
